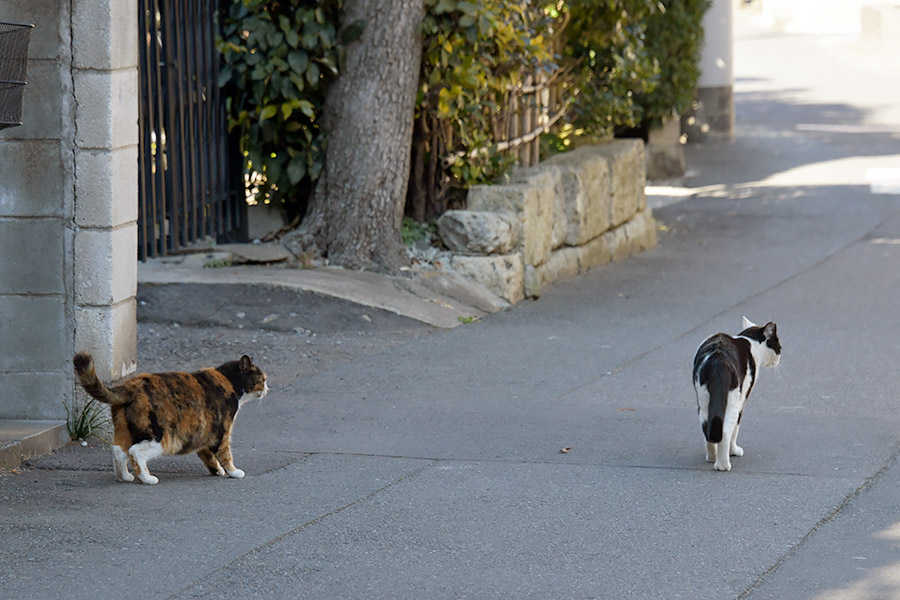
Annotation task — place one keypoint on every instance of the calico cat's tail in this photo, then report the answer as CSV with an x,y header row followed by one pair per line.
x,y
87,377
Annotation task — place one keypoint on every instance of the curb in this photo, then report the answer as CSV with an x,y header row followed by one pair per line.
x,y
21,440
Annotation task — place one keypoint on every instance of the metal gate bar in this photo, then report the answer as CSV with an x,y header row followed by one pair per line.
x,y
189,189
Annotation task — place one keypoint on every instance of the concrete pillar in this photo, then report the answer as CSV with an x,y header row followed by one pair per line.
x,y
713,115
68,204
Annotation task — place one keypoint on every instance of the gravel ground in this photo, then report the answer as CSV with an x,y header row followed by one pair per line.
x,y
291,335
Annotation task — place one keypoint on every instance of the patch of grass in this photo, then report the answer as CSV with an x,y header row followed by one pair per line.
x,y
412,232
215,264
86,419
468,320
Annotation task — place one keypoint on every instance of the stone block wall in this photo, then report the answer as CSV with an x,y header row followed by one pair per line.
x,y
559,218
68,204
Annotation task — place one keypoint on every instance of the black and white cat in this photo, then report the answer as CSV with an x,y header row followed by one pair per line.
x,y
725,370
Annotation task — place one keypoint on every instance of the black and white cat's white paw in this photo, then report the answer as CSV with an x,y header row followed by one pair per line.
x,y
723,465
737,451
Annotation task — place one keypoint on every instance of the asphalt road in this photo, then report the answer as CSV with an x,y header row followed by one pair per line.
x,y
431,467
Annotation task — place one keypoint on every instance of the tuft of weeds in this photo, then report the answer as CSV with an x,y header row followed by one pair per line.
x,y
468,320
217,264
86,419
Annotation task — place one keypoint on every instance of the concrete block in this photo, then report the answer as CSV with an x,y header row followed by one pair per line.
x,y
563,264
546,181
586,190
106,108
105,265
664,153
43,112
109,333
105,34
534,211
479,232
32,256
33,333
30,188
47,16
106,187
641,231
33,395
502,274
627,176
532,282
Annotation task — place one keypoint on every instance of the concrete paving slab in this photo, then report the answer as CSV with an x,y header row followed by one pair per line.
x,y
23,439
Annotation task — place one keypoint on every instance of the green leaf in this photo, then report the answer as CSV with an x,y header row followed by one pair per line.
x,y
268,112
312,74
296,169
298,59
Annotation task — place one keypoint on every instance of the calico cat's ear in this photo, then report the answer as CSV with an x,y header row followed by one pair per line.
x,y
770,330
246,363
748,323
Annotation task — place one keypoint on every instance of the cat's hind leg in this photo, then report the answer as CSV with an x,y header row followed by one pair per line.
x,y
211,462
735,449
141,453
710,452
729,425
120,464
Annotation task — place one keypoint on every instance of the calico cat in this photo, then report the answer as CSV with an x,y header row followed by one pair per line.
x,y
175,413
725,370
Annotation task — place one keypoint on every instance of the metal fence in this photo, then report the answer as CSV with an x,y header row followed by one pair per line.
x,y
190,184
14,39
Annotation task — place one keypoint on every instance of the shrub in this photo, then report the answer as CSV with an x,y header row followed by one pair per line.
x,y
674,37
278,58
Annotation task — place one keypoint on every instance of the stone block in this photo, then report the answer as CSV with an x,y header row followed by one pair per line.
x,y
546,181
33,395
105,34
33,333
44,112
502,274
32,256
106,108
595,253
105,265
586,192
627,177
641,231
479,232
532,282
563,264
106,187
47,16
30,187
109,333
533,210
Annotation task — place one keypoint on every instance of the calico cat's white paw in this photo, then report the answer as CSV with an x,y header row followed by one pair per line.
x,y
149,479
737,451
237,474
125,477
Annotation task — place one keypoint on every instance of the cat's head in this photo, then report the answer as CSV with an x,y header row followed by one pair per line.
x,y
253,379
767,336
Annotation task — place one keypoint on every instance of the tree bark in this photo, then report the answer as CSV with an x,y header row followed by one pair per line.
x,y
356,211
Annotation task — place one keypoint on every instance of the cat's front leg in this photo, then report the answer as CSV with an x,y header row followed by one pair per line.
x,y
211,462
224,456
120,464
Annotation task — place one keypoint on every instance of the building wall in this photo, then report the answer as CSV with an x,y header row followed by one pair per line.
x,y
68,204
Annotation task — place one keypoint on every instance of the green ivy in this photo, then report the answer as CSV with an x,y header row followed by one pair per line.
x,y
278,58
474,52
605,46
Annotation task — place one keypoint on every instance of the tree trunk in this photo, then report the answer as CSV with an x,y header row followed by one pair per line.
x,y
356,211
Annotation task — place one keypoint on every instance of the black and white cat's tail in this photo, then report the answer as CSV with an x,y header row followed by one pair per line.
x,y
718,384
87,377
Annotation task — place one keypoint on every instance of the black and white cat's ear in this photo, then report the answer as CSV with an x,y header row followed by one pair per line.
x,y
770,330
246,363
747,323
